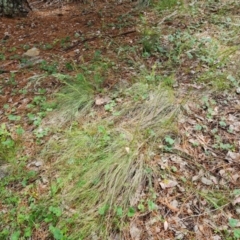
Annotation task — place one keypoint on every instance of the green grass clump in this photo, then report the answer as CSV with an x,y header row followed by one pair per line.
x,y
77,95
167,4
7,145
103,164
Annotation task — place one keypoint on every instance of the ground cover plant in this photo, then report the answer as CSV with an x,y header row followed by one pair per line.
x,y
120,120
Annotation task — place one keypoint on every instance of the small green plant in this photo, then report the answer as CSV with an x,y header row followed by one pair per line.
x,y
35,119
69,66
103,210
48,46
12,80
222,123
131,212
40,133
7,144
151,205
23,91
25,47
110,106
97,55
168,81
2,56
13,49
56,232
49,68
167,4
12,117
233,223
65,42
141,206
169,143
233,80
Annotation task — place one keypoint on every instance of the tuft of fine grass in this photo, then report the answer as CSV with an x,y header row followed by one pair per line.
x,y
76,96
104,166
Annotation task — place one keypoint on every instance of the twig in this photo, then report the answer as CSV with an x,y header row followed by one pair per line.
x,y
100,37
124,33
198,215
170,15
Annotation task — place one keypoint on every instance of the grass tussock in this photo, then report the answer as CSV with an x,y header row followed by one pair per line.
x,y
76,95
103,167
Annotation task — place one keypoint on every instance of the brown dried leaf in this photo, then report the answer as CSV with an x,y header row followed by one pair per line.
x,y
168,184
135,232
206,181
232,156
236,200
102,100
165,225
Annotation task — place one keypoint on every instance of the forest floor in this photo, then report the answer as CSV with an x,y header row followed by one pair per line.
x,y
121,122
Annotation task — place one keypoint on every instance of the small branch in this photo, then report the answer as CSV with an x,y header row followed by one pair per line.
x,y
100,37
163,20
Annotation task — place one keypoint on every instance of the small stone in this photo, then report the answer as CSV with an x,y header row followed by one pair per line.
x,y
238,90
38,163
33,52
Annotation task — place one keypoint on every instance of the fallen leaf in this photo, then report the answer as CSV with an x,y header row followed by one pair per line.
x,y
168,184
165,225
206,181
232,156
127,149
33,52
235,177
195,178
135,232
236,200
214,179
216,237
102,100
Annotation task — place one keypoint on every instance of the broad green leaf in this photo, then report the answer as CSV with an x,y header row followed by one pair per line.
x,y
15,235
119,211
57,234
131,212
236,192
236,233
151,205
233,222
102,210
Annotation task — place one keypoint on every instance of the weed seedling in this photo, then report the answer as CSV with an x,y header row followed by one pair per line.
x,y
110,106
49,68
169,143
2,56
